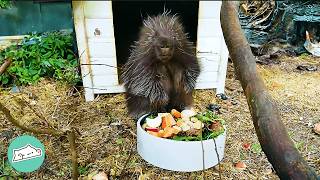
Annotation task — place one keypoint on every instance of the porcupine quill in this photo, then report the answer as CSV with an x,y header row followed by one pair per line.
x,y
162,69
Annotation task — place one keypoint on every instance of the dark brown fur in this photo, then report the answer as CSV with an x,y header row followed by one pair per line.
x,y
162,69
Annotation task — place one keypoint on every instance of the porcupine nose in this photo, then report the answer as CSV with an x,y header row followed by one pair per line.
x,y
165,51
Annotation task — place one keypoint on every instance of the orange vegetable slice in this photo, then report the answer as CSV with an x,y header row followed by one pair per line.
x,y
175,113
167,121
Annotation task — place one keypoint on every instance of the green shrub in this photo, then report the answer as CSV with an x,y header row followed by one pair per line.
x,y
5,4
41,55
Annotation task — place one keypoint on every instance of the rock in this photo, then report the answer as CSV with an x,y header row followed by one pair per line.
x,y
214,107
246,146
240,166
307,68
222,96
316,128
100,176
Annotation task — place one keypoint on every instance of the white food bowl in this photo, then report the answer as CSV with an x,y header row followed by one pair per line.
x,y
178,155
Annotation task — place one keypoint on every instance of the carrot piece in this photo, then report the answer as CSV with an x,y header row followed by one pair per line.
x,y
175,113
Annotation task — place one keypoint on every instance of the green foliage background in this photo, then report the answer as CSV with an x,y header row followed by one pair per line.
x,y
5,4
41,55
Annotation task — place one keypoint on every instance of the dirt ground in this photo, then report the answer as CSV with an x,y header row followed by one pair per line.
x,y
106,134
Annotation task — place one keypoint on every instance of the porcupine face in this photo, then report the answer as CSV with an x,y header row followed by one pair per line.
x,y
164,48
163,34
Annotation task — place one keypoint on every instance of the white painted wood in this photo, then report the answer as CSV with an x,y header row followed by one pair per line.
x,y
206,85
101,49
208,77
8,38
79,23
99,28
208,46
109,89
105,80
223,67
108,61
211,52
209,9
97,16
100,70
209,27
98,9
209,63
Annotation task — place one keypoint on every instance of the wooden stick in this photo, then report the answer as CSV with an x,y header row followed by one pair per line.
x,y
5,65
6,112
74,158
272,134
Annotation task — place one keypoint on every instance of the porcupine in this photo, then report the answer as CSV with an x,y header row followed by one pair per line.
x,y
162,69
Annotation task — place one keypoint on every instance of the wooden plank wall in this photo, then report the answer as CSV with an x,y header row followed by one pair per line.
x,y
211,49
95,36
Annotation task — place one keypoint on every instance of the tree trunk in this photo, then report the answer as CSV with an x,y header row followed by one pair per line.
x,y
272,134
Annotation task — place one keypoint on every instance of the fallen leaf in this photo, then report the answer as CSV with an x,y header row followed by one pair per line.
x,y
240,166
256,148
317,128
246,146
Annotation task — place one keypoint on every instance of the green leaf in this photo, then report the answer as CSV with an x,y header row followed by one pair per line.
x,y
256,148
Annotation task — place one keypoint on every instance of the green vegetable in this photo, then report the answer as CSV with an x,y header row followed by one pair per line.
x,y
186,138
152,116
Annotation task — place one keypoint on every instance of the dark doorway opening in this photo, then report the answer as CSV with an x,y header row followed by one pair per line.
x,y
299,32
128,17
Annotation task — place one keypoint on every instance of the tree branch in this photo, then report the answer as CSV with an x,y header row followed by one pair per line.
x,y
5,65
272,134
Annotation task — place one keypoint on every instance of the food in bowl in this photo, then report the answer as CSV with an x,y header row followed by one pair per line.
x,y
186,125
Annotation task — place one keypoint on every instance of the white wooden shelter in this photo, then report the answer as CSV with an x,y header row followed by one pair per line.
x,y
96,45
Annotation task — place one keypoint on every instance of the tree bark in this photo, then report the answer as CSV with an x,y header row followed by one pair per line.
x,y
271,132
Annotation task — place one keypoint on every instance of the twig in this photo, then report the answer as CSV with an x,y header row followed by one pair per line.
x,y
129,157
73,151
24,102
55,108
70,134
5,65
216,149
126,163
6,112
203,163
